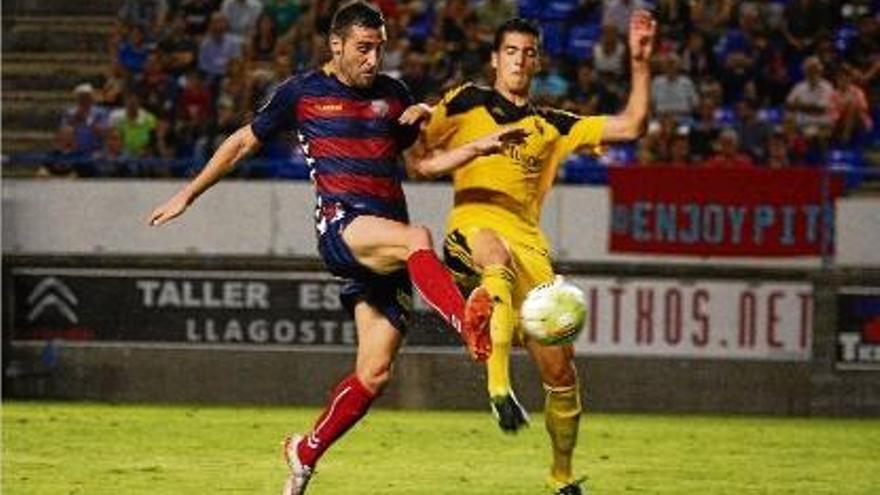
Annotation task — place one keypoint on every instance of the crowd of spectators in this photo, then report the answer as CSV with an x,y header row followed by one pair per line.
x,y
737,83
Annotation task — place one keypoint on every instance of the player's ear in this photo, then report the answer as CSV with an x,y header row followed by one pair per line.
x,y
335,45
495,60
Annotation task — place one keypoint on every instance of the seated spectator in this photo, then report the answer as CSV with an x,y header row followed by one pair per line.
x,y
112,161
135,126
618,12
680,149
853,117
284,13
416,76
705,129
711,16
752,132
197,16
241,16
737,50
155,87
674,19
494,12
452,24
132,52
217,49
811,100
195,98
776,154
550,85
805,23
87,120
729,154
63,159
697,59
609,53
148,14
673,92
178,47
114,86
795,141
585,93
263,43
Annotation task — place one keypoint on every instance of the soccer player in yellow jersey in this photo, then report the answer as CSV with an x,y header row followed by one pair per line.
x,y
493,237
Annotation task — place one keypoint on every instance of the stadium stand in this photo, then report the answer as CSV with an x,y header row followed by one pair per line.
x,y
190,80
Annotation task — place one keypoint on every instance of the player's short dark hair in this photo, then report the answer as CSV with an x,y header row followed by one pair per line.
x,y
356,13
516,25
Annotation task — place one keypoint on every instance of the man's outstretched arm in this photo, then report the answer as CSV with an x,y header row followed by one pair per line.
x,y
424,163
234,148
630,123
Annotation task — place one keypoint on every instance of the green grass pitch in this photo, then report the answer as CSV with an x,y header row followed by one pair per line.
x,y
95,449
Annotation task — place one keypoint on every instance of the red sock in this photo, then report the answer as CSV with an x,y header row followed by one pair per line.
x,y
348,404
436,286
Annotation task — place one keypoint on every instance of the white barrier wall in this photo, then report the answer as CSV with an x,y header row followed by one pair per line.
x,y
275,218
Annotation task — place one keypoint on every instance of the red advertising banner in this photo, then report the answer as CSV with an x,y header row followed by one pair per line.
x,y
722,212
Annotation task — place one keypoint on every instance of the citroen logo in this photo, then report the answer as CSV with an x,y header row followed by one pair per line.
x,y
52,293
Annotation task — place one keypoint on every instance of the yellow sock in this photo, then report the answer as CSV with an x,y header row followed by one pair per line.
x,y
498,280
562,412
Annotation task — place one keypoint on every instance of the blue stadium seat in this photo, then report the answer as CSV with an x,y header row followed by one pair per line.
x,y
850,162
583,169
771,115
554,38
558,10
843,36
726,116
581,39
619,154
530,8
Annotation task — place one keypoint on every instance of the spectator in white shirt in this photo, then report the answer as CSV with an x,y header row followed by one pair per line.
x,y
617,13
609,52
811,100
673,92
242,16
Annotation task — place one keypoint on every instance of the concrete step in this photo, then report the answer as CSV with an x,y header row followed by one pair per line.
x,y
25,141
51,77
31,97
60,7
55,58
50,34
27,115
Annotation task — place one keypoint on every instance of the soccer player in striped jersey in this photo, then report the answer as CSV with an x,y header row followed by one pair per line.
x,y
346,117
493,234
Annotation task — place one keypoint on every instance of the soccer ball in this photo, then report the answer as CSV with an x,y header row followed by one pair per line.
x,y
554,313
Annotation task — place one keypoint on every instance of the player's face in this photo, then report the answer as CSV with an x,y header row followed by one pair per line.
x,y
358,55
516,62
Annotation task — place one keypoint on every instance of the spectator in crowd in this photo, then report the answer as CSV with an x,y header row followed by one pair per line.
x,y
87,120
811,100
673,92
197,16
113,89
241,16
284,13
737,50
550,86
451,26
476,52
135,126
711,16
609,53
680,148
155,87
795,142
132,52
705,130
180,50
217,49
618,12
805,23
853,117
864,50
63,159
263,43
752,132
416,76
585,93
674,19
697,59
729,154
777,151
148,14
112,161
493,12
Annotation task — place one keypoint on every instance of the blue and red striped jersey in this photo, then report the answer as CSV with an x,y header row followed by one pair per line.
x,y
350,137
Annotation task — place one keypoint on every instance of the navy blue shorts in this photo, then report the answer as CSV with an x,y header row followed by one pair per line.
x,y
390,294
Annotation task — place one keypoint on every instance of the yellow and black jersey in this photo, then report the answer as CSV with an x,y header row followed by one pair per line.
x,y
518,178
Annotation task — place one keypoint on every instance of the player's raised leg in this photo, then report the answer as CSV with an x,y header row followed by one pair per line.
x,y
562,411
378,342
492,256
385,245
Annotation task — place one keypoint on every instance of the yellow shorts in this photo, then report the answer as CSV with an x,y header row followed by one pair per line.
x,y
529,250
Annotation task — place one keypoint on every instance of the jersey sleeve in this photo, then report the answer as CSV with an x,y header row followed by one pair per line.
x,y
405,135
441,125
277,115
585,132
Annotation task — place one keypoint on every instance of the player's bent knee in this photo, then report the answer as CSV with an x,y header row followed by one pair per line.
x,y
375,376
560,373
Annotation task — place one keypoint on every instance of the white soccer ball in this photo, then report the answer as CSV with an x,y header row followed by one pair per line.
x,y
554,313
